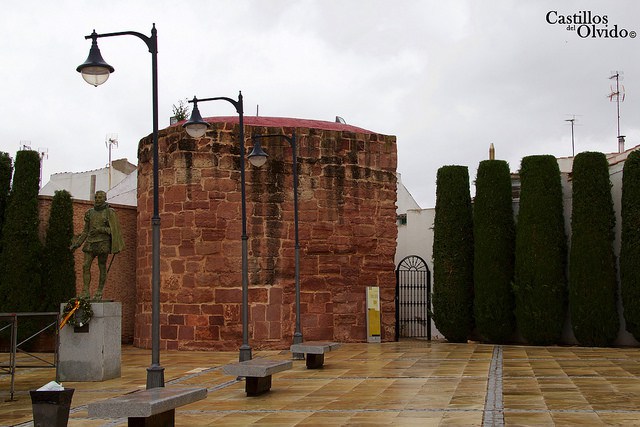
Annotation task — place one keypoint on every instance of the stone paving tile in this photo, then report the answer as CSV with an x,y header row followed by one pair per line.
x,y
407,383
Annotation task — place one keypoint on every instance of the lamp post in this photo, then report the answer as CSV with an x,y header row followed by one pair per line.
x,y
96,71
196,127
258,158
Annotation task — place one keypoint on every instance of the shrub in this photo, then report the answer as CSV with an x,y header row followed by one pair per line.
x,y
494,239
592,263
453,254
59,277
540,283
630,244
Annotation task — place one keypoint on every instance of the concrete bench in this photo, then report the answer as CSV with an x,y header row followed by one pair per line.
x,y
257,373
314,351
148,408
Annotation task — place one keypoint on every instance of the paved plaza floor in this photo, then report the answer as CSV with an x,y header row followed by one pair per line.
x,y
408,383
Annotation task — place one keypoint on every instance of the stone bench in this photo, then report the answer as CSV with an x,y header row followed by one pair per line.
x,y
314,351
149,408
257,373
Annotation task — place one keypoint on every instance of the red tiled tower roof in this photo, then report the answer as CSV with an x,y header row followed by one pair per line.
x,y
286,122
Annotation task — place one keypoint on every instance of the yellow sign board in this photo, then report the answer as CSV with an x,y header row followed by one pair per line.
x,y
373,314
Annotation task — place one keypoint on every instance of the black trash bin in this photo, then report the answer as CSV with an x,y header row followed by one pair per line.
x,y
51,408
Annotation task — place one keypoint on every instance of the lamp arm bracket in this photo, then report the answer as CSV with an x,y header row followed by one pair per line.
x,y
235,103
151,42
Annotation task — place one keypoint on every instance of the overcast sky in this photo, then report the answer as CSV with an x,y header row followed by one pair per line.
x,y
447,78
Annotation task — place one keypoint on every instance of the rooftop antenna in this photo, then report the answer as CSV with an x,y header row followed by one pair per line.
x,y
617,94
340,120
257,110
44,154
111,140
573,146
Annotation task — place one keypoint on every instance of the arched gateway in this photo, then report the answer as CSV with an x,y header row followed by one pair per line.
x,y
413,298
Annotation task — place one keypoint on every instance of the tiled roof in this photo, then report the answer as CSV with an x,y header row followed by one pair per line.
x,y
286,122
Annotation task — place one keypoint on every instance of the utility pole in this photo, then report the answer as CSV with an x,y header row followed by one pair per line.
x,y
44,154
573,147
110,141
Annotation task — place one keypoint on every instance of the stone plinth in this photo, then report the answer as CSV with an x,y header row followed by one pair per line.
x,y
92,353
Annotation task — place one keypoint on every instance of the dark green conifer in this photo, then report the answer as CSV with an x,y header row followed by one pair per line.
x,y
6,170
453,254
20,260
540,285
59,278
592,263
494,257
630,244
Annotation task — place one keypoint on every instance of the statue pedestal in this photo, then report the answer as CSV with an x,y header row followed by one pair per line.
x,y
93,352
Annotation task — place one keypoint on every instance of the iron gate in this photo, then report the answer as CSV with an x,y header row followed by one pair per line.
x,y
413,298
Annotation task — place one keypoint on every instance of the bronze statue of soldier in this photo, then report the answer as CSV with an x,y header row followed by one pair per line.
x,y
101,236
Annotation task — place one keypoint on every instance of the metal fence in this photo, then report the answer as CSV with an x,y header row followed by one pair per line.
x,y
18,357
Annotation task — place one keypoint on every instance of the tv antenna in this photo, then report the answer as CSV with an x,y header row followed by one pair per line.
x,y
617,94
111,140
44,154
572,120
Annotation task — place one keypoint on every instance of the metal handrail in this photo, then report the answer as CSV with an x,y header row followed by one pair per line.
x,y
15,346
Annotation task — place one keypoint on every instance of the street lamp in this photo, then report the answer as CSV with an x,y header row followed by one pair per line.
x,y
196,127
96,71
258,158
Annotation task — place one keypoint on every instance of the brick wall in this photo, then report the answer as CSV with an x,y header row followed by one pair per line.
x,y
120,284
347,230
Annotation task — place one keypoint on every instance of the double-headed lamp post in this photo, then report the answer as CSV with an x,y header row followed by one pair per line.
x,y
196,127
95,71
258,158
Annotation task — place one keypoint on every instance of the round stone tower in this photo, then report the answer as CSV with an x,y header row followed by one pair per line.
x,y
347,233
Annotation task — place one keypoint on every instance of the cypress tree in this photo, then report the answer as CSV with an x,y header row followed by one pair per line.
x,y
6,169
453,254
592,263
540,283
630,244
59,277
494,257
21,248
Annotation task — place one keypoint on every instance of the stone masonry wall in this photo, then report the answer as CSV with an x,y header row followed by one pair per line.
x,y
347,233
120,284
